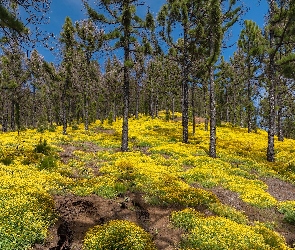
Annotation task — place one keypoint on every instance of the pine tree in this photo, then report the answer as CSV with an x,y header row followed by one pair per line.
x,y
251,43
190,17
37,80
218,21
24,27
69,44
90,42
124,26
280,29
14,78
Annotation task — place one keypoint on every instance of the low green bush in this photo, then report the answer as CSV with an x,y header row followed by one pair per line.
x,y
288,209
48,163
42,147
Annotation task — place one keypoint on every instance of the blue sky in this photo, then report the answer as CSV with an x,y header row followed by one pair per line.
x,y
74,9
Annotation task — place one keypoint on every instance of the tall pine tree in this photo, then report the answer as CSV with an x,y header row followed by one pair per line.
x,y
123,28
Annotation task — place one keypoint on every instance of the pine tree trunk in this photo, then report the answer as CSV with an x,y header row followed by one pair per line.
x,y
185,88
86,111
280,126
12,116
137,101
185,111
271,121
234,107
157,105
205,90
227,107
212,146
5,119
124,145
17,116
64,112
152,105
34,108
241,118
249,102
271,95
173,108
193,109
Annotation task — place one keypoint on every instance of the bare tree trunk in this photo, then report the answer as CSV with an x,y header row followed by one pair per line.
x,y
34,108
193,109
234,107
12,116
205,107
5,119
241,118
227,106
86,110
157,105
17,116
212,146
271,121
185,89
152,104
137,100
173,108
124,145
249,102
280,126
280,115
64,111
271,95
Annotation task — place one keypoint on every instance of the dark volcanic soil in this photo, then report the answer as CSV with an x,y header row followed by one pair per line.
x,y
78,214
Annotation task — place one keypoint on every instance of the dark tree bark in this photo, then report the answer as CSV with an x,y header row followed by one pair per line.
x,y
193,108
249,101
124,144
271,93
212,145
205,90
185,87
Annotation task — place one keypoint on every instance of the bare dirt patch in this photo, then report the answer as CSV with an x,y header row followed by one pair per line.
x,y
78,214
281,190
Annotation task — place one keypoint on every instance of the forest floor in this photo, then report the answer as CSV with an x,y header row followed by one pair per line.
x,y
78,214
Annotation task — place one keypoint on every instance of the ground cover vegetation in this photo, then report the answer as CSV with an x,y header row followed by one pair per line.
x,y
37,167
163,142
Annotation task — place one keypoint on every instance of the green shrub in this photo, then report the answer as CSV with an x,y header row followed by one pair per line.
x,y
75,127
42,147
118,234
30,158
6,160
48,163
288,209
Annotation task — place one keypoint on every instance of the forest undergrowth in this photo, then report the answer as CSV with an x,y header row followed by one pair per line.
x,y
236,201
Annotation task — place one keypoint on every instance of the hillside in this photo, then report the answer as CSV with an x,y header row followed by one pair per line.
x,y
55,187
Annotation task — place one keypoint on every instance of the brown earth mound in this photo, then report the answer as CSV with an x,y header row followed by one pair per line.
x,y
78,214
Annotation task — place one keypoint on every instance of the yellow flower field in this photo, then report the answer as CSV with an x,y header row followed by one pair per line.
x,y
158,165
